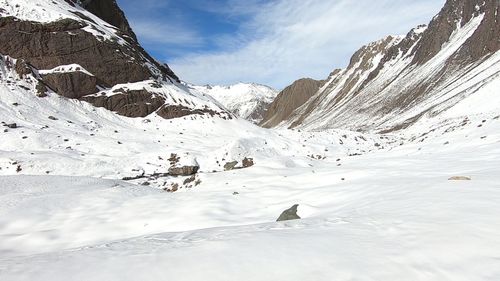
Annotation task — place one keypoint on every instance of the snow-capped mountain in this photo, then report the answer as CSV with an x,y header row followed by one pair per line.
x,y
86,50
389,84
246,100
89,193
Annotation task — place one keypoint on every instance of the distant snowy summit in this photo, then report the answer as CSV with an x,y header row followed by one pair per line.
x,y
247,100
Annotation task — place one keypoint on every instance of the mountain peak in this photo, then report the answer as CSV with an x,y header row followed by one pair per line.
x,y
110,12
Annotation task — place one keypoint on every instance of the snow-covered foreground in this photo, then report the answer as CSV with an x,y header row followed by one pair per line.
x,y
373,207
388,215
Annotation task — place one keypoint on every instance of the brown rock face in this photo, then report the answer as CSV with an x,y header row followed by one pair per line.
x,y
177,111
72,84
128,103
291,98
108,11
46,46
459,12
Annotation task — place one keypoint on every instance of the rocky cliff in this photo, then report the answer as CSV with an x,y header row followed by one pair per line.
x,y
85,50
289,100
391,83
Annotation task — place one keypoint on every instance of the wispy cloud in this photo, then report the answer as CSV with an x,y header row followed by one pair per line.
x,y
284,40
168,33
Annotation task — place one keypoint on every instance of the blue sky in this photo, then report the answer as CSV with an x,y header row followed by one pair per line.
x,y
272,42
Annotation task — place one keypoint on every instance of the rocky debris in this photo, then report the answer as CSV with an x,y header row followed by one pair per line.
x,y
183,171
10,126
41,89
459,178
289,214
52,118
291,98
189,180
230,165
22,68
174,159
247,162
172,188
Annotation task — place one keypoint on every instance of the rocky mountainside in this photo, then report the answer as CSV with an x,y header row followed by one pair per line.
x,y
86,50
289,100
246,100
436,69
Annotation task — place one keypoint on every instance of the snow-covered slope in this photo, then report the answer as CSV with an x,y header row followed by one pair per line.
x,y
392,83
87,194
246,100
86,50
382,203
390,214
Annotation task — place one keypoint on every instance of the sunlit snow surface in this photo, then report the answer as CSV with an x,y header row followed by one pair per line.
x,y
373,207
387,214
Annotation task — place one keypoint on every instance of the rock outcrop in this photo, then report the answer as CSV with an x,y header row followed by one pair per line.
x,y
72,84
289,214
288,100
183,171
86,51
110,12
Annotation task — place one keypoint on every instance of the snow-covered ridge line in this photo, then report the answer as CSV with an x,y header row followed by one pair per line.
x,y
65,69
246,100
44,11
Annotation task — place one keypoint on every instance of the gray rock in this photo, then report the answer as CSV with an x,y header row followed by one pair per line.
x,y
183,171
230,165
289,214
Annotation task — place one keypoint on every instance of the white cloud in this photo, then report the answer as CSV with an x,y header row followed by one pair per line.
x,y
288,39
160,32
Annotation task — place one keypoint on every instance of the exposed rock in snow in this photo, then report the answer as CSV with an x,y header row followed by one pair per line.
x,y
289,214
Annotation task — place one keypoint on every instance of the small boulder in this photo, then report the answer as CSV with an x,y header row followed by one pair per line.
x,y
247,162
459,178
289,214
230,165
41,89
183,171
11,126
